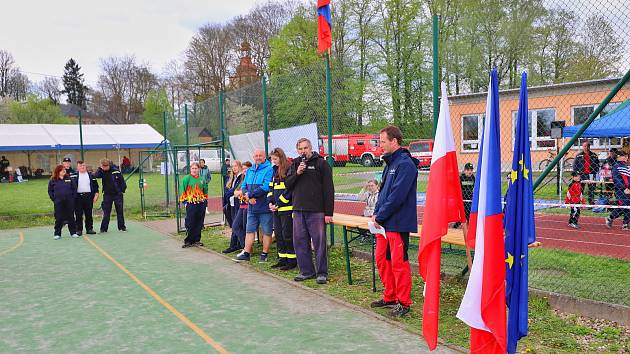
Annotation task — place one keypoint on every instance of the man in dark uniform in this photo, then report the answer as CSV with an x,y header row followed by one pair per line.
x,y
67,164
4,164
87,195
621,179
467,181
114,186
587,165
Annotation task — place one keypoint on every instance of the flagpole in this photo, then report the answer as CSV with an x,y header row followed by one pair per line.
x,y
436,75
330,129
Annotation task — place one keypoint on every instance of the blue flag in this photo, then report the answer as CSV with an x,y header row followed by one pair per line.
x,y
519,227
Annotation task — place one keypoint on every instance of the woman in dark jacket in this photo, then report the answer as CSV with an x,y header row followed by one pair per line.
x,y
62,190
280,204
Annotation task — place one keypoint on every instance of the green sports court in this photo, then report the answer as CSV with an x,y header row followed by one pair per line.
x,y
140,292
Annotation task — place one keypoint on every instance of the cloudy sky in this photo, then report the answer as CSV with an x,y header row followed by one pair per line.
x,y
42,34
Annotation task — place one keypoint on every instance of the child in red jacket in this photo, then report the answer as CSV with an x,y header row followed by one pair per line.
x,y
574,196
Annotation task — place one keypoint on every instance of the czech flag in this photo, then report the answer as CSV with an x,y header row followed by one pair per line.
x,y
324,26
444,204
483,305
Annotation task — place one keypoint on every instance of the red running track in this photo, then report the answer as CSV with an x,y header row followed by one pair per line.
x,y
553,231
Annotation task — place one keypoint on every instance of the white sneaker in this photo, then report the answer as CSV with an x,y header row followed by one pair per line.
x,y
56,237
241,253
75,236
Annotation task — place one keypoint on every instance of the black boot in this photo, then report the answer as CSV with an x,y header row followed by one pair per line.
x,y
291,264
281,263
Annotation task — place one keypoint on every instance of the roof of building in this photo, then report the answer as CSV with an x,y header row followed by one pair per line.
x,y
29,137
540,91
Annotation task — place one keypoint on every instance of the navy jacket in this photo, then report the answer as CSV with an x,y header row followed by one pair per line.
x,y
229,191
62,189
119,180
256,185
279,195
93,182
621,179
396,206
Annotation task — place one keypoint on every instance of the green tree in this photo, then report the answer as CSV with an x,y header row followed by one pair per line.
x,y
156,105
73,84
36,111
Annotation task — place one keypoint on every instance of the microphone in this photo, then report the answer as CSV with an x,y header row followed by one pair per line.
x,y
303,156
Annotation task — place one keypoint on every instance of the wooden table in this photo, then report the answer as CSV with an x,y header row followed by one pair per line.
x,y
359,225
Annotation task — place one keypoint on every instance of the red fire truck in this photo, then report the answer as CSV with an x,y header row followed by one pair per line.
x,y
363,149
423,151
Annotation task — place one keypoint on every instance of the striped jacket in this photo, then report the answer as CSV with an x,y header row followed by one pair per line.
x,y
278,194
621,179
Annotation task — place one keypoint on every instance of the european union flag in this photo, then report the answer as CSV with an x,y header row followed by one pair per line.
x,y
519,227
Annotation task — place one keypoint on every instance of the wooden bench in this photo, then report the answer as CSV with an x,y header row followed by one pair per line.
x,y
359,225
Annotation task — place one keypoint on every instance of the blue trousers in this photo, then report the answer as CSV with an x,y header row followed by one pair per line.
x,y
237,241
309,226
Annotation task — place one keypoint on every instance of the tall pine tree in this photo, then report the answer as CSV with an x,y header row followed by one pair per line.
x,y
73,84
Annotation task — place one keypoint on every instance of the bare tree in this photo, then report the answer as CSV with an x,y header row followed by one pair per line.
x,y
49,88
18,85
174,82
209,57
124,85
6,64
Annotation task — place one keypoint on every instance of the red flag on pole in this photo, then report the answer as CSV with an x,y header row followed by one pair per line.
x,y
444,204
324,26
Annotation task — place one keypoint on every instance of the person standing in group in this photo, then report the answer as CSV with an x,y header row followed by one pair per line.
x,y
125,165
232,184
467,182
225,201
87,195
195,197
310,180
4,165
205,174
238,228
396,213
369,195
62,191
255,188
280,205
114,186
587,165
574,196
621,180
67,165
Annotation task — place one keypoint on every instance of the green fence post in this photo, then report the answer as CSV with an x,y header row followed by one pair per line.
x,y
585,125
265,116
436,75
81,133
222,129
187,137
166,156
330,130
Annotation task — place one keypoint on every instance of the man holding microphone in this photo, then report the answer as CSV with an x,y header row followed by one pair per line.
x,y
310,180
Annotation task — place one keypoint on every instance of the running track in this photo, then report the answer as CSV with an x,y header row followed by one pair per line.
x,y
553,231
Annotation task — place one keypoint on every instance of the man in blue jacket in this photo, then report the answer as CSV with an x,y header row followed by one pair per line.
x,y
396,212
255,188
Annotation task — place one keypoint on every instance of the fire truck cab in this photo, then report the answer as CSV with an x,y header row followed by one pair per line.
x,y
362,149
423,151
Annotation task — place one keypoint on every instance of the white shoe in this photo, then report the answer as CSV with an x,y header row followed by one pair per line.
x,y
56,237
75,235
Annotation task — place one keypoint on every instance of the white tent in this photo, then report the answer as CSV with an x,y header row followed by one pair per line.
x,y
37,137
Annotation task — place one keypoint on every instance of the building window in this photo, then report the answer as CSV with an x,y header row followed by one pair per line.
x,y
540,132
580,114
471,132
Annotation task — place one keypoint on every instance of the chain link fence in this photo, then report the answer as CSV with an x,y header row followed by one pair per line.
x,y
574,54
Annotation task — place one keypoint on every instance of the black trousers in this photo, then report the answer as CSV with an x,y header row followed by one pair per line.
x,y
64,214
83,206
574,216
195,213
106,204
238,228
283,229
615,213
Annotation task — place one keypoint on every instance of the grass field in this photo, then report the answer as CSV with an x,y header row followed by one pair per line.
x,y
550,332
141,292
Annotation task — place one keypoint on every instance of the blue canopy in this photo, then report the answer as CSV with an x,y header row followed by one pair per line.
x,y
614,124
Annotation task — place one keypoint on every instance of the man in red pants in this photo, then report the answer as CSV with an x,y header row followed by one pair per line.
x,y
396,212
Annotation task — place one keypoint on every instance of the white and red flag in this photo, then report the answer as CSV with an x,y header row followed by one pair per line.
x,y
444,204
